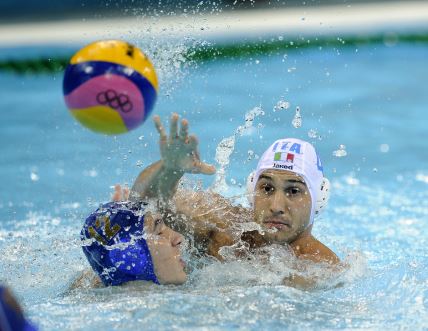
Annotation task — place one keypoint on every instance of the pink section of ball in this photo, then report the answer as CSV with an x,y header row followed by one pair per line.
x,y
110,90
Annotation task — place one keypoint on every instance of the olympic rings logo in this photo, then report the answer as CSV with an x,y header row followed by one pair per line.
x,y
115,100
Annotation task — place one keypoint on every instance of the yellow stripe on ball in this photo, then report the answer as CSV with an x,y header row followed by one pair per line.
x,y
100,119
120,52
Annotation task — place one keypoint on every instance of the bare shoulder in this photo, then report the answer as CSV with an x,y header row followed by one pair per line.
x,y
312,249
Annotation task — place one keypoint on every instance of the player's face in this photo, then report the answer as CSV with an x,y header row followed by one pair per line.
x,y
164,246
282,203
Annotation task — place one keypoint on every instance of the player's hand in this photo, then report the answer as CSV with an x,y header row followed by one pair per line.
x,y
179,151
120,194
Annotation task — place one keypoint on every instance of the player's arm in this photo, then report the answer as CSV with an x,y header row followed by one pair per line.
x,y
208,209
179,155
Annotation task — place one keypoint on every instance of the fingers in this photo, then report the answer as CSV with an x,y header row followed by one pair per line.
x,y
184,130
173,126
159,127
120,194
125,193
117,194
207,169
173,132
193,142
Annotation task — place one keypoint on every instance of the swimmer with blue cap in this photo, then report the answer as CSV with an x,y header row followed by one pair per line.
x,y
287,192
124,242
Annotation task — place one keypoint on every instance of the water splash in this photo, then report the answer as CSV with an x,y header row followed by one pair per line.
x,y
312,134
247,128
297,120
341,152
227,145
222,157
281,105
251,155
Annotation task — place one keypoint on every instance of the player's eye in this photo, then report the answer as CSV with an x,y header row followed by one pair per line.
x,y
158,225
293,191
267,188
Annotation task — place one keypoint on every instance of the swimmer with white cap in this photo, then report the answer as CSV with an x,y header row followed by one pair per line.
x,y
287,192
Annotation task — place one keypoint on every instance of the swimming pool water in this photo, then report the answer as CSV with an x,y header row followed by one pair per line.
x,y
372,99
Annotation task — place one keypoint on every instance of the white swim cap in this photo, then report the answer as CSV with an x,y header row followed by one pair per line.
x,y
299,157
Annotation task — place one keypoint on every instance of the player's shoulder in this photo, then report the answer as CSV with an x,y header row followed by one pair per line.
x,y
310,248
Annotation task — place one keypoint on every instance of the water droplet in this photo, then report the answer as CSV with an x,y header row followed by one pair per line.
x,y
384,148
34,177
341,152
281,105
88,69
297,120
139,163
250,155
247,128
140,137
312,133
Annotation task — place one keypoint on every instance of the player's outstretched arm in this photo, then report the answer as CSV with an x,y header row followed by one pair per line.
x,y
179,155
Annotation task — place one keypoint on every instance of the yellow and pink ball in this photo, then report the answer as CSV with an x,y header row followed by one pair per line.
x,y
110,87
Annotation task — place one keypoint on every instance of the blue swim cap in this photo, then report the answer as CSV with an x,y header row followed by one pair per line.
x,y
12,319
118,252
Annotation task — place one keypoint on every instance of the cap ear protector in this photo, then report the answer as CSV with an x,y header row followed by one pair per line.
x,y
250,188
323,194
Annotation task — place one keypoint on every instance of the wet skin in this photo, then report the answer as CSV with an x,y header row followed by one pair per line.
x,y
164,245
163,242
282,203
